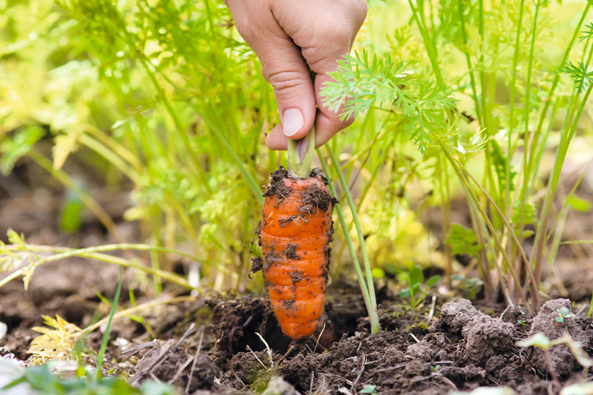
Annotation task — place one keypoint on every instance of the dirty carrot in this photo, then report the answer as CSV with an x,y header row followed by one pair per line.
x,y
295,234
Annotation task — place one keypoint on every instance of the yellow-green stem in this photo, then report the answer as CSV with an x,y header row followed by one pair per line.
x,y
365,257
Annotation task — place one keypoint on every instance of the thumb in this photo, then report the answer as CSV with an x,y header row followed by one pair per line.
x,y
285,69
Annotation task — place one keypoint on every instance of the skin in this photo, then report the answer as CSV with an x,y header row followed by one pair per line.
x,y
296,286
293,38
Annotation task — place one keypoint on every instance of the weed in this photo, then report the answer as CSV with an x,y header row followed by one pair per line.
x,y
369,389
541,341
415,279
563,313
40,381
421,327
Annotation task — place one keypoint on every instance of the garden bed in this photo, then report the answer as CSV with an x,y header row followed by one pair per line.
x,y
459,349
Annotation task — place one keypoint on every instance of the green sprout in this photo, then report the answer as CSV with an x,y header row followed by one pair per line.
x,y
369,389
576,348
40,380
563,313
522,323
415,279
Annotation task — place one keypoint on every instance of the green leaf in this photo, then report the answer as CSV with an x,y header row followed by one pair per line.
x,y
579,74
579,204
362,81
70,218
559,319
405,293
499,160
528,233
529,216
416,276
587,33
463,241
13,149
14,238
377,272
538,340
432,281
563,311
368,389
150,387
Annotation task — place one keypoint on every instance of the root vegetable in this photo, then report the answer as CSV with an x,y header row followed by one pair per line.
x,y
295,234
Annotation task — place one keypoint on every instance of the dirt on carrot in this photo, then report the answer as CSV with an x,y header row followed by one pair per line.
x,y
295,235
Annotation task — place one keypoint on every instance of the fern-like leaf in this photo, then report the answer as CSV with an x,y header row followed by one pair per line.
x,y
579,75
361,82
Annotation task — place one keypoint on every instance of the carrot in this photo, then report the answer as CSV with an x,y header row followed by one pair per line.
x,y
295,233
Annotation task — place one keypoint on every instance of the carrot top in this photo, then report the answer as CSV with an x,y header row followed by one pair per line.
x,y
300,155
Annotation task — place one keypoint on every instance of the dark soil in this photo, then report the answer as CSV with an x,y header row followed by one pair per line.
x,y
461,350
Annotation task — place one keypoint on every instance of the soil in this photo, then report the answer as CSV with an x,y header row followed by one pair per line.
x,y
211,344
221,352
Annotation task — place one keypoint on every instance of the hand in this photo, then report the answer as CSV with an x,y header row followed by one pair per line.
x,y
291,37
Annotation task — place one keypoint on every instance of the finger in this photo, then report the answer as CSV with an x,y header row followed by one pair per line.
x,y
283,66
325,130
329,38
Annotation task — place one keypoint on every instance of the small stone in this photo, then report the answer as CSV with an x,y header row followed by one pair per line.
x,y
277,386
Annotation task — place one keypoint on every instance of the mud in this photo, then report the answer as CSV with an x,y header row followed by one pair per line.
x,y
474,350
276,185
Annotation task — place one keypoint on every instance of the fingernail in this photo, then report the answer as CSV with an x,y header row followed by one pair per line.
x,y
293,121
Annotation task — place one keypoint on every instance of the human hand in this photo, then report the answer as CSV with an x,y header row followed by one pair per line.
x,y
291,37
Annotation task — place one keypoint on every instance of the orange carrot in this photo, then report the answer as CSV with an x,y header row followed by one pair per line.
x,y
295,233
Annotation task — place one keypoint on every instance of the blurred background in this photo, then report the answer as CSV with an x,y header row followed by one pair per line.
x,y
144,122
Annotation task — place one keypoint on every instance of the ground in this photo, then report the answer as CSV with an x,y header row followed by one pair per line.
x,y
210,343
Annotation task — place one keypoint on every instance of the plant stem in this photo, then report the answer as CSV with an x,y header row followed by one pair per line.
x,y
469,64
300,155
540,239
127,312
476,201
534,291
109,322
526,135
509,206
92,253
350,244
429,44
554,85
373,314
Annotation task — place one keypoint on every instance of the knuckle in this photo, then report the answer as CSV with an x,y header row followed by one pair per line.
x,y
285,81
338,32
